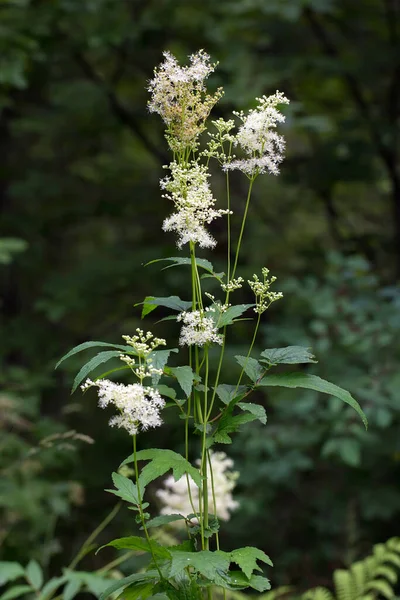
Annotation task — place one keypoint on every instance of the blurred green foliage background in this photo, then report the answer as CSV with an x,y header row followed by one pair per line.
x,y
80,214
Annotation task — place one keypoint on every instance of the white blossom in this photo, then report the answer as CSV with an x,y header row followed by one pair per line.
x,y
198,329
262,145
178,95
175,496
189,190
139,406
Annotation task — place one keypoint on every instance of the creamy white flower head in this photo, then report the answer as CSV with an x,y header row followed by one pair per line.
x,y
178,95
175,496
198,329
256,136
139,406
189,190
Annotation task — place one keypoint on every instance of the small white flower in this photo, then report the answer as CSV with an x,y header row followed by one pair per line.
x,y
175,497
198,329
256,136
139,406
189,190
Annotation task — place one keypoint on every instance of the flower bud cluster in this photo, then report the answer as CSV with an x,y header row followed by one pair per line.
x,y
232,285
264,297
143,343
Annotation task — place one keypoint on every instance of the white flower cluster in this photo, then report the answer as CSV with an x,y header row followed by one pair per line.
x,y
232,285
256,136
178,95
139,406
264,298
175,496
198,329
190,192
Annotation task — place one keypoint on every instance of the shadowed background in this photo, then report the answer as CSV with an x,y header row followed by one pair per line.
x,y
81,213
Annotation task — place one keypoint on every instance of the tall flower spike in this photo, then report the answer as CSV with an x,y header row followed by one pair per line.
x,y
179,96
256,136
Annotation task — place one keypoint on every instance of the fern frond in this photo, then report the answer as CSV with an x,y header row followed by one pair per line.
x,y
387,573
318,593
344,585
382,587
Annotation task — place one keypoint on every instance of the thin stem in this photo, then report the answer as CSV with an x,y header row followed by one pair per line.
x,y
242,227
83,549
250,350
228,201
143,520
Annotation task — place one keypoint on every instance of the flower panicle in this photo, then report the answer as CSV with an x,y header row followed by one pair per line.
x,y
261,290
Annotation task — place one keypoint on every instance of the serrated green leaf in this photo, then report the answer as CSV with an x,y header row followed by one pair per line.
x,y
138,591
126,489
227,317
246,558
229,424
117,585
259,583
255,409
135,542
236,580
9,571
209,564
312,382
159,359
92,364
290,355
71,589
87,345
16,592
178,260
50,587
173,302
162,520
162,460
185,377
251,367
34,574
166,391
227,392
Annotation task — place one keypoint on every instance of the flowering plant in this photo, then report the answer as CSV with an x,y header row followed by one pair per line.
x,y
197,496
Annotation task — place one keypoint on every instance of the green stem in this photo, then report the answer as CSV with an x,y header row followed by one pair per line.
x,y
143,520
250,350
242,227
83,549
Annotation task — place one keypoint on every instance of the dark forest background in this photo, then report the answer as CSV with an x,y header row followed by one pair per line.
x,y
80,214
